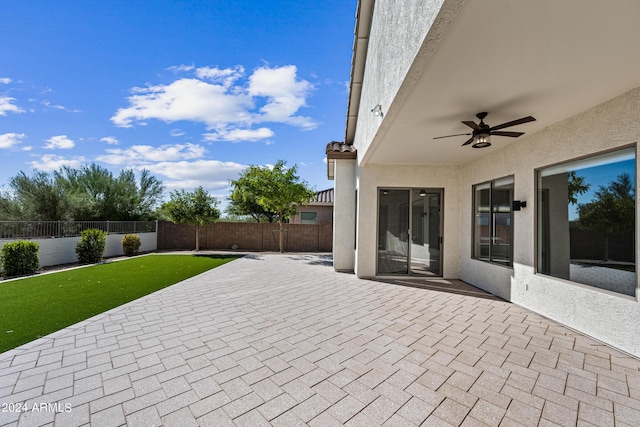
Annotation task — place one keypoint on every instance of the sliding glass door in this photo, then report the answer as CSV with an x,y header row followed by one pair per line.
x,y
409,232
393,232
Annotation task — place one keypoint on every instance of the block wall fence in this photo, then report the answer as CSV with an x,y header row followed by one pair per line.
x,y
247,236
56,251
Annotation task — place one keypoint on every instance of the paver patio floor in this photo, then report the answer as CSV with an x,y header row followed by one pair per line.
x,y
284,340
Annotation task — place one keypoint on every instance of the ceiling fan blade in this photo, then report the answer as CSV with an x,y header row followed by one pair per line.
x,y
511,134
514,122
472,125
449,136
468,142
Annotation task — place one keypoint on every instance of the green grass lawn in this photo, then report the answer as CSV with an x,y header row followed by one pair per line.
x,y
35,306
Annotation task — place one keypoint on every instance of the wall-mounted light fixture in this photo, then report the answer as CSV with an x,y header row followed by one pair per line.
x,y
423,193
517,204
377,110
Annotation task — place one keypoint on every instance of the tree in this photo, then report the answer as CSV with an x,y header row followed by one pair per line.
x,y
9,209
97,194
277,190
243,200
197,208
150,191
577,185
88,193
39,197
612,211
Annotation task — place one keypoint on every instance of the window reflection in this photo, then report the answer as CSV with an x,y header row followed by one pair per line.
x,y
586,221
492,222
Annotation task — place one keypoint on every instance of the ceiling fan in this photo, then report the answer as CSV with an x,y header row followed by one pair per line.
x,y
480,136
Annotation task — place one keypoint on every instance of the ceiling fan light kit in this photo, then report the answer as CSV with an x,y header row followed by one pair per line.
x,y
481,140
482,132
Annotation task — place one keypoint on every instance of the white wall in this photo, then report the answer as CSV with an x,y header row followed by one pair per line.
x,y
63,250
390,72
610,317
344,214
607,316
372,177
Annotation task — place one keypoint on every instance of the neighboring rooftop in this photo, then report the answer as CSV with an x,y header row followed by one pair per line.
x,y
323,197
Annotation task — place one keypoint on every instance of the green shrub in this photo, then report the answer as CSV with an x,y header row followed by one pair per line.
x,y
91,246
130,244
19,258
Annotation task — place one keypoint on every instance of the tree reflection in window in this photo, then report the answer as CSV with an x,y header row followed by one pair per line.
x,y
586,221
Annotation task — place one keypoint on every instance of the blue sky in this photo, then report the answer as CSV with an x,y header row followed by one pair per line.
x,y
194,91
600,176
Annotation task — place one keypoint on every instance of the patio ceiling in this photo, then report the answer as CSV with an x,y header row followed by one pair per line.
x,y
546,58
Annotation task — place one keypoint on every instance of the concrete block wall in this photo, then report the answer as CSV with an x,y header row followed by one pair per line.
x,y
63,250
248,236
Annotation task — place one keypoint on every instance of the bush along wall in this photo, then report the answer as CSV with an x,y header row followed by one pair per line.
x,y
20,258
91,246
130,244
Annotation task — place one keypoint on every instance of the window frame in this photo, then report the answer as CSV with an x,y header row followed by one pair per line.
x,y
315,217
539,215
490,185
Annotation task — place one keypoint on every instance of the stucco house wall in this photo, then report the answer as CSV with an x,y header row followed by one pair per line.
x,y
591,310
594,311
324,213
397,65
389,72
373,177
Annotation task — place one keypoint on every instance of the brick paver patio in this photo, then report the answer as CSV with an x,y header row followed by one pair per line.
x,y
284,340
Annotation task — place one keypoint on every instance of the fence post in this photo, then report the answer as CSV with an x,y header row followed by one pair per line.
x,y
107,226
59,228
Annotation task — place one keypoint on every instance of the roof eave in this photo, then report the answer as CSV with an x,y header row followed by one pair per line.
x,y
364,13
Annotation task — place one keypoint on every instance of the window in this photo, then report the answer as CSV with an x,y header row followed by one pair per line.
x,y
308,217
492,232
586,221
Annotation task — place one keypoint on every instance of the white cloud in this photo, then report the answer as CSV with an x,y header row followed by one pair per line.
x,y
7,106
52,162
285,95
222,102
146,154
180,68
237,135
226,76
60,141
185,99
176,132
211,174
8,140
48,104
111,140
324,160
5,80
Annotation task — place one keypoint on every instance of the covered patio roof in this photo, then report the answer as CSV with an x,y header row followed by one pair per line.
x,y
547,59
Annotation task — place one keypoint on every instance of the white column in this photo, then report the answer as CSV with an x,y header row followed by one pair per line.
x,y
344,214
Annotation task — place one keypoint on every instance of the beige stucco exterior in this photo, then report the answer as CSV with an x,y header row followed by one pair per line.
x,y
594,311
414,73
373,177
